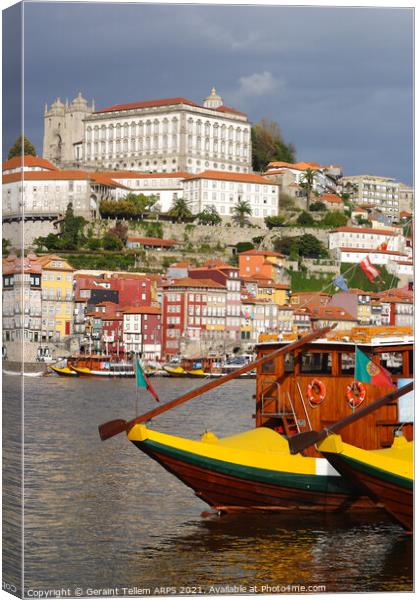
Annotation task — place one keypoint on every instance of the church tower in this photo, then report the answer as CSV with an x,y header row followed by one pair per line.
x,y
64,130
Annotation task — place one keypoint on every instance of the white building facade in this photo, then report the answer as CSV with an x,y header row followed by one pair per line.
x,y
168,135
366,238
225,190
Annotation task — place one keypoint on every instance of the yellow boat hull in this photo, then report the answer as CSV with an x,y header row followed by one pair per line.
x,y
249,471
64,371
385,475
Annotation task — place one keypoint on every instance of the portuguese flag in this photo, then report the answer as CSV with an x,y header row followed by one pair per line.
x,y
368,372
143,382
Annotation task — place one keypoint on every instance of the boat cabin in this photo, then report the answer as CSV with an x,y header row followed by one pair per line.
x,y
314,386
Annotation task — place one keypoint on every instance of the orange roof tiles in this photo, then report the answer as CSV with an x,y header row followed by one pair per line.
x,y
364,230
189,282
230,176
332,198
147,104
261,253
28,161
331,312
372,250
142,310
151,241
141,175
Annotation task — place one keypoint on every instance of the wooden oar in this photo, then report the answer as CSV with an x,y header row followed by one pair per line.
x,y
301,441
111,428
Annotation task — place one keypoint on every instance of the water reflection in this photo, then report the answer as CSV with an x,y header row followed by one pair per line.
x,y
105,515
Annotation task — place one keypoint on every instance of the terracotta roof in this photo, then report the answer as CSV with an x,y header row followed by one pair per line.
x,y
228,109
142,310
372,251
147,104
105,179
331,312
181,265
141,175
261,253
230,176
364,230
28,161
300,166
151,241
333,198
13,264
404,213
45,176
189,282
48,258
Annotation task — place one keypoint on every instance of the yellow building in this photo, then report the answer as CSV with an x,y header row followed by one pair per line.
x,y
57,297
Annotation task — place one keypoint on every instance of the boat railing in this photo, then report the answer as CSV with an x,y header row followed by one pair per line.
x,y
308,420
282,405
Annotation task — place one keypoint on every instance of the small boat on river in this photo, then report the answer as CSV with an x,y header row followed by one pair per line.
x,y
301,386
93,365
63,371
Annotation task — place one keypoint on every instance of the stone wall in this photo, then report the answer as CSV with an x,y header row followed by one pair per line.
x,y
32,230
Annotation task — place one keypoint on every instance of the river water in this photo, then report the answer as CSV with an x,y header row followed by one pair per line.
x,y
103,516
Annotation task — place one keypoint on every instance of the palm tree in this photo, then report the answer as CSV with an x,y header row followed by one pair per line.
x,y
180,210
306,183
241,211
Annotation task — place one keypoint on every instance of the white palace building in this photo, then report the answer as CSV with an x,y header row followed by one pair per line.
x,y
156,136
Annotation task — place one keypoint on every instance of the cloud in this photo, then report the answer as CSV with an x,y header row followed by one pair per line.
x,y
258,84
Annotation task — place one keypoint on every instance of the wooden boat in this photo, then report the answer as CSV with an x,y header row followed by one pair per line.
x,y
249,471
385,475
64,371
300,387
100,366
174,371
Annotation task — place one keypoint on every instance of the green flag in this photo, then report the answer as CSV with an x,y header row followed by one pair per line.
x,y
143,382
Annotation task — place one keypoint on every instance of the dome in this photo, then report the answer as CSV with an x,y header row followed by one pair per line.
x,y
79,102
214,100
57,106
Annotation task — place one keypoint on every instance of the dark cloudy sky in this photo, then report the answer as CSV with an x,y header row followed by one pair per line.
x,y
337,80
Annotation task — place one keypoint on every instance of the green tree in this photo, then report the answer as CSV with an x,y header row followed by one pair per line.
x,y
334,218
112,242
94,243
311,247
180,210
317,206
241,213
268,145
276,221
209,216
243,247
306,183
22,146
305,219
71,230
5,245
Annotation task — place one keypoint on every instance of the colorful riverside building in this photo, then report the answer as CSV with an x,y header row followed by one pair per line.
x,y
194,310
22,300
57,298
229,277
142,331
262,263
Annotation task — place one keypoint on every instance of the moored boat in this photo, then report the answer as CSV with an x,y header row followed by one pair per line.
x,y
385,475
253,470
63,371
100,366
301,386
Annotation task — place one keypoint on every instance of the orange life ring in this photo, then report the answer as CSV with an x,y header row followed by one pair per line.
x,y
316,392
355,394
